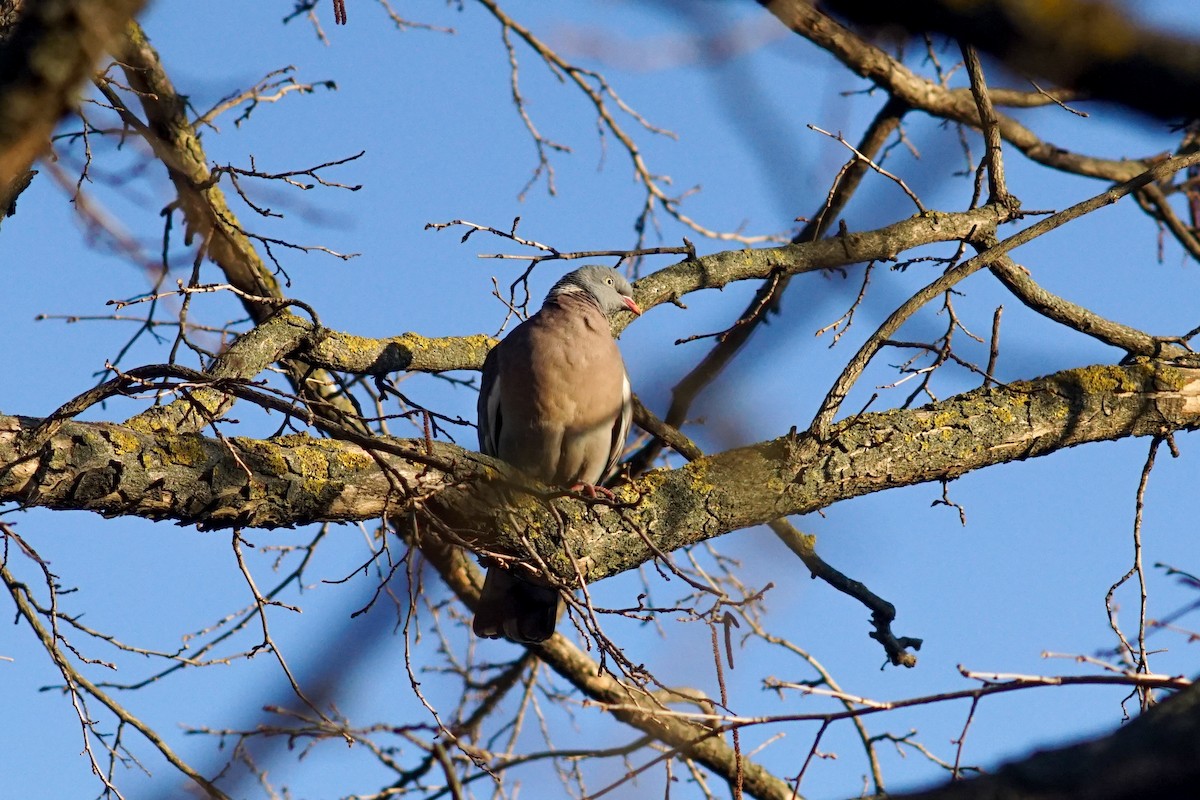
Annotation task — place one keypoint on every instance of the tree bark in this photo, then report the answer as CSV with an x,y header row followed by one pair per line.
x,y
293,480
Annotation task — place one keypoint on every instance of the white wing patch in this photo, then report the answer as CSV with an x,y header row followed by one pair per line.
x,y
621,429
490,424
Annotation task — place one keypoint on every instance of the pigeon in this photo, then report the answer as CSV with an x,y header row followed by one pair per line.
x,y
555,403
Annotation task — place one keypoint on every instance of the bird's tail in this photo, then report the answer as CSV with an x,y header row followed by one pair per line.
x,y
516,609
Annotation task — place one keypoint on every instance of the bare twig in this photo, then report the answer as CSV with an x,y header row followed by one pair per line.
x,y
829,407
77,682
898,181
1138,657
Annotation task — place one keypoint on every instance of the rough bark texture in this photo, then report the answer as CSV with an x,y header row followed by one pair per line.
x,y
134,470
120,470
10,12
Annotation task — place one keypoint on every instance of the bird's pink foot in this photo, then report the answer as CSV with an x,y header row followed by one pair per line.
x,y
593,491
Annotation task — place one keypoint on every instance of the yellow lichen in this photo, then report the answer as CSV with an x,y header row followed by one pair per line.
x,y
269,458
320,487
697,472
1175,379
653,480
143,424
1003,414
311,461
123,441
943,419
353,460
1105,378
295,440
185,450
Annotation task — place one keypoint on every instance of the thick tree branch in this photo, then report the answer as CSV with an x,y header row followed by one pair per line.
x,y
1155,755
116,470
1084,44
958,105
884,244
43,63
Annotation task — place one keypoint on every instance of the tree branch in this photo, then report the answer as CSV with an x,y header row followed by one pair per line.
x,y
118,470
958,105
1157,754
172,137
52,50
1084,44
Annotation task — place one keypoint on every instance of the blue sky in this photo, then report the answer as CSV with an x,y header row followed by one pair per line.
x,y
1027,574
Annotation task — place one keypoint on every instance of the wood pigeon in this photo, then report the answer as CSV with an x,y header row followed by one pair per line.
x,y
555,403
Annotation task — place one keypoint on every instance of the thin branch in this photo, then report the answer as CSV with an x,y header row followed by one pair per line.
x,y
997,187
897,180
74,678
1139,655
829,407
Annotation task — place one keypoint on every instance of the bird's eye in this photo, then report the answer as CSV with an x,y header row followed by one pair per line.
x,y
610,281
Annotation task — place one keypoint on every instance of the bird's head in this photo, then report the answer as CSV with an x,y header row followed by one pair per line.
x,y
607,287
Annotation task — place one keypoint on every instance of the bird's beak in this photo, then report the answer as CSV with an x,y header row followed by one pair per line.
x,y
632,306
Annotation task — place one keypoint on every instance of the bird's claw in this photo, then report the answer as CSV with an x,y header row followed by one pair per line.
x,y
593,491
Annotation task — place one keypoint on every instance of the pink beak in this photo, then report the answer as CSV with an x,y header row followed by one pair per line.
x,y
632,306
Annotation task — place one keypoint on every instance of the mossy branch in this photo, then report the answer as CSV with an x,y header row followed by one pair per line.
x,y
119,470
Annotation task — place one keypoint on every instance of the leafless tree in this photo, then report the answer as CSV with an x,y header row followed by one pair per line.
x,y
429,507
